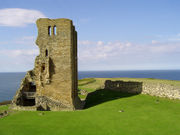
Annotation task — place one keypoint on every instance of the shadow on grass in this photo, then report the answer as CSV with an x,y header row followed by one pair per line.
x,y
104,95
113,90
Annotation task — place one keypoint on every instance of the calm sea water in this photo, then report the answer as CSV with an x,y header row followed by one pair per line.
x,y
9,82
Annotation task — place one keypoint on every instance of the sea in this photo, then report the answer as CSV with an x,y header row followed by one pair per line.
x,y
10,82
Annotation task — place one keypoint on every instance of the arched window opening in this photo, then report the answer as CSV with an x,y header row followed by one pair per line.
x,y
54,30
46,53
49,30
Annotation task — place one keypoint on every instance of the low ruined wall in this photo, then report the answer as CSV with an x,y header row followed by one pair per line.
x,y
154,89
129,87
161,90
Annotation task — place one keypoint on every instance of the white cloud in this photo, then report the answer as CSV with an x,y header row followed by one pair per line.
x,y
19,53
178,34
98,51
18,17
26,40
4,42
174,39
17,59
154,42
85,42
164,48
171,38
100,43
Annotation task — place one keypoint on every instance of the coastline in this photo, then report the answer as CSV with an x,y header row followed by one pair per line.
x,y
5,102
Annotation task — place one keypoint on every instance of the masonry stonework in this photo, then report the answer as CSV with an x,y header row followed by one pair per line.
x,y
135,87
122,86
161,90
52,84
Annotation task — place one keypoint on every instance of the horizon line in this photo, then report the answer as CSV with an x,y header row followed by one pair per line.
x,y
101,70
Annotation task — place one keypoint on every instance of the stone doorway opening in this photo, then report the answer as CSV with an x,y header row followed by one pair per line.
x,y
28,102
28,98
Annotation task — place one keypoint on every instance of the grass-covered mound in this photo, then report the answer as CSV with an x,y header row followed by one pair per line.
x,y
106,113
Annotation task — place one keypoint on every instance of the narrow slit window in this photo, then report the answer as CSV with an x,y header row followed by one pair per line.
x,y
46,53
43,68
49,30
55,32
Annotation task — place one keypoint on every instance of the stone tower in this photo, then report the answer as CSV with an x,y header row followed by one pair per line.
x,y
52,84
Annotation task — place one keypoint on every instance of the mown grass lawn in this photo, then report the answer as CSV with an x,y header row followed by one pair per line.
x,y
106,113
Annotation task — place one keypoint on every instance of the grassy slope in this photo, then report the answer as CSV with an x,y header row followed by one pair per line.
x,y
3,107
143,115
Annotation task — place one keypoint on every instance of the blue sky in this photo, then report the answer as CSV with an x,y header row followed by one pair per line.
x,y
112,34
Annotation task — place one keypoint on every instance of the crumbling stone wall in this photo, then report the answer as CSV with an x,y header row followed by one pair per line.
x,y
154,89
55,71
121,86
161,90
24,87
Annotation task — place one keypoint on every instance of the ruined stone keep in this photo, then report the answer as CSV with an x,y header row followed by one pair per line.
x,y
52,84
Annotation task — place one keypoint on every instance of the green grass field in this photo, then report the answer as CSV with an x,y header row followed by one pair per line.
x,y
106,113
